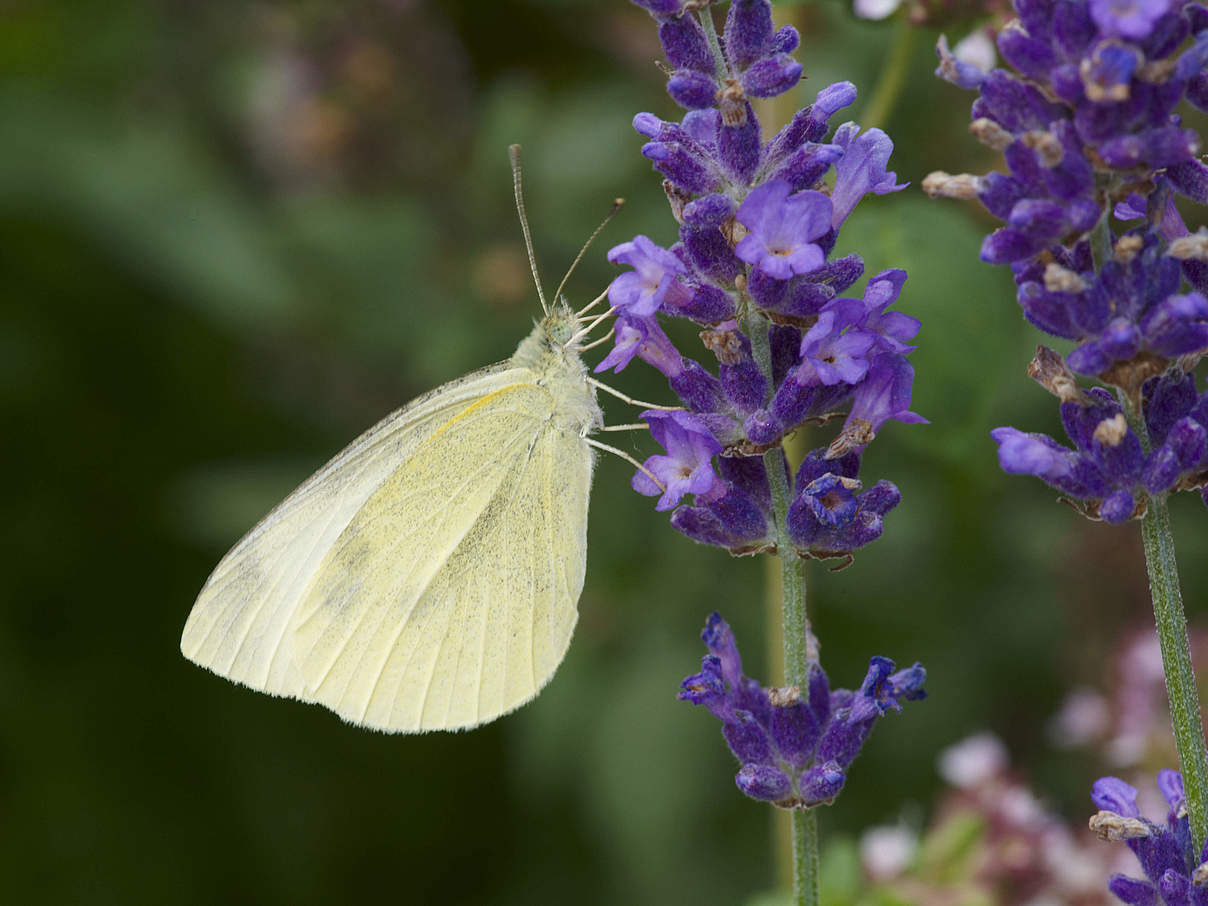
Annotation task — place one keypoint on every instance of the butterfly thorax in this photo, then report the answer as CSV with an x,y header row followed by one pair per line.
x,y
551,351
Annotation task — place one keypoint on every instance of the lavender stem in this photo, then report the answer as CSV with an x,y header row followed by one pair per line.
x,y
1158,541
1176,661
796,663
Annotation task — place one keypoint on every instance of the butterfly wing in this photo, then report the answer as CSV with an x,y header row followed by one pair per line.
x,y
451,596
237,627
425,578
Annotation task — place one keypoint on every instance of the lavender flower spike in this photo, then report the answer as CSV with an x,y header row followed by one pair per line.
x,y
795,745
793,341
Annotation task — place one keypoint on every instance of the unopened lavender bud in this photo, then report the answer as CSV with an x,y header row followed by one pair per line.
x,y
685,44
1030,56
1190,178
749,32
692,90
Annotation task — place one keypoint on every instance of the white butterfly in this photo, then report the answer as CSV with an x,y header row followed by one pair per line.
x,y
427,578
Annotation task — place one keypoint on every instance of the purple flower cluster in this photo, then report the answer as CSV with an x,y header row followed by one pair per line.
x,y
1176,875
1108,471
795,744
1088,131
753,268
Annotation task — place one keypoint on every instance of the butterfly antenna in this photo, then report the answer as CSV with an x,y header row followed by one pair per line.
x,y
617,204
517,187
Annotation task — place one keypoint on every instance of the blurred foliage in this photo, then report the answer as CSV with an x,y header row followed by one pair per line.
x,y
236,234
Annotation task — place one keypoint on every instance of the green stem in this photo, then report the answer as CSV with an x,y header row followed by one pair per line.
x,y
798,652
1171,623
1176,662
893,75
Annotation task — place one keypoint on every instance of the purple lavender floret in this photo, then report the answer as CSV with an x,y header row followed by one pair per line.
x,y
795,341
831,512
653,281
795,745
782,229
1174,872
687,467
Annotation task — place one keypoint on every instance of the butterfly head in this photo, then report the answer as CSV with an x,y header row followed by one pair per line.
x,y
562,325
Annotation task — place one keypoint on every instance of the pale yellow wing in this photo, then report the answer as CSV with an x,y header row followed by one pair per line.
x,y
451,596
237,627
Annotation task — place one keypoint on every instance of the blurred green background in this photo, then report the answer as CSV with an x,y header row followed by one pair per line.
x,y
233,236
